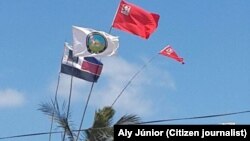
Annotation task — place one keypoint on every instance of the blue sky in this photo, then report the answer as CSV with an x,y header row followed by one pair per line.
x,y
212,36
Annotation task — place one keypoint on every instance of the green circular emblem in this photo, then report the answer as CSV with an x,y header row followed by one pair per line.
x,y
96,43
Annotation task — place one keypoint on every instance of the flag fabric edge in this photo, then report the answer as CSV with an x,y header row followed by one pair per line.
x,y
72,65
168,51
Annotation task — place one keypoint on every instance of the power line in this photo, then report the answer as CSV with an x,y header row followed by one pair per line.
x,y
32,134
146,122
197,117
45,133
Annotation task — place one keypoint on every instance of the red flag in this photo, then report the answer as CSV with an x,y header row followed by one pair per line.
x,y
169,52
135,20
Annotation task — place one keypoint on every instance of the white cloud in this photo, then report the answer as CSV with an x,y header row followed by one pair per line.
x,y
165,79
135,99
11,98
117,73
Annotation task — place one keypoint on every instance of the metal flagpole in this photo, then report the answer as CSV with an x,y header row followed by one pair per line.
x,y
69,101
85,109
90,92
54,104
114,17
132,78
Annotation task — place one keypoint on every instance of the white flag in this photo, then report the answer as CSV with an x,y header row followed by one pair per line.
x,y
89,42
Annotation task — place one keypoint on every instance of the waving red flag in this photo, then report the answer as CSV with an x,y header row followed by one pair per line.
x,y
169,52
135,20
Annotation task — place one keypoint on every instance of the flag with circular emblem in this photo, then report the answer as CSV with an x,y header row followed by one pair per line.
x,y
90,42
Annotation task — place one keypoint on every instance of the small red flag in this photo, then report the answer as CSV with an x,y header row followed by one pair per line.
x,y
169,52
135,20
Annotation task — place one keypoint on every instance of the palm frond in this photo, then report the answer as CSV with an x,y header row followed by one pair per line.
x,y
48,108
103,117
103,135
59,115
99,134
102,125
128,119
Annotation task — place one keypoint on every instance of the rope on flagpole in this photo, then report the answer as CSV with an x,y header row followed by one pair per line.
x,y
54,104
132,78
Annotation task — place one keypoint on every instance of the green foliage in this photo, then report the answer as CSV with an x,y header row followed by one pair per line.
x,y
59,115
102,127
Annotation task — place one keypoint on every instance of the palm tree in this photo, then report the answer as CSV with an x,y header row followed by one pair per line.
x,y
101,125
101,129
